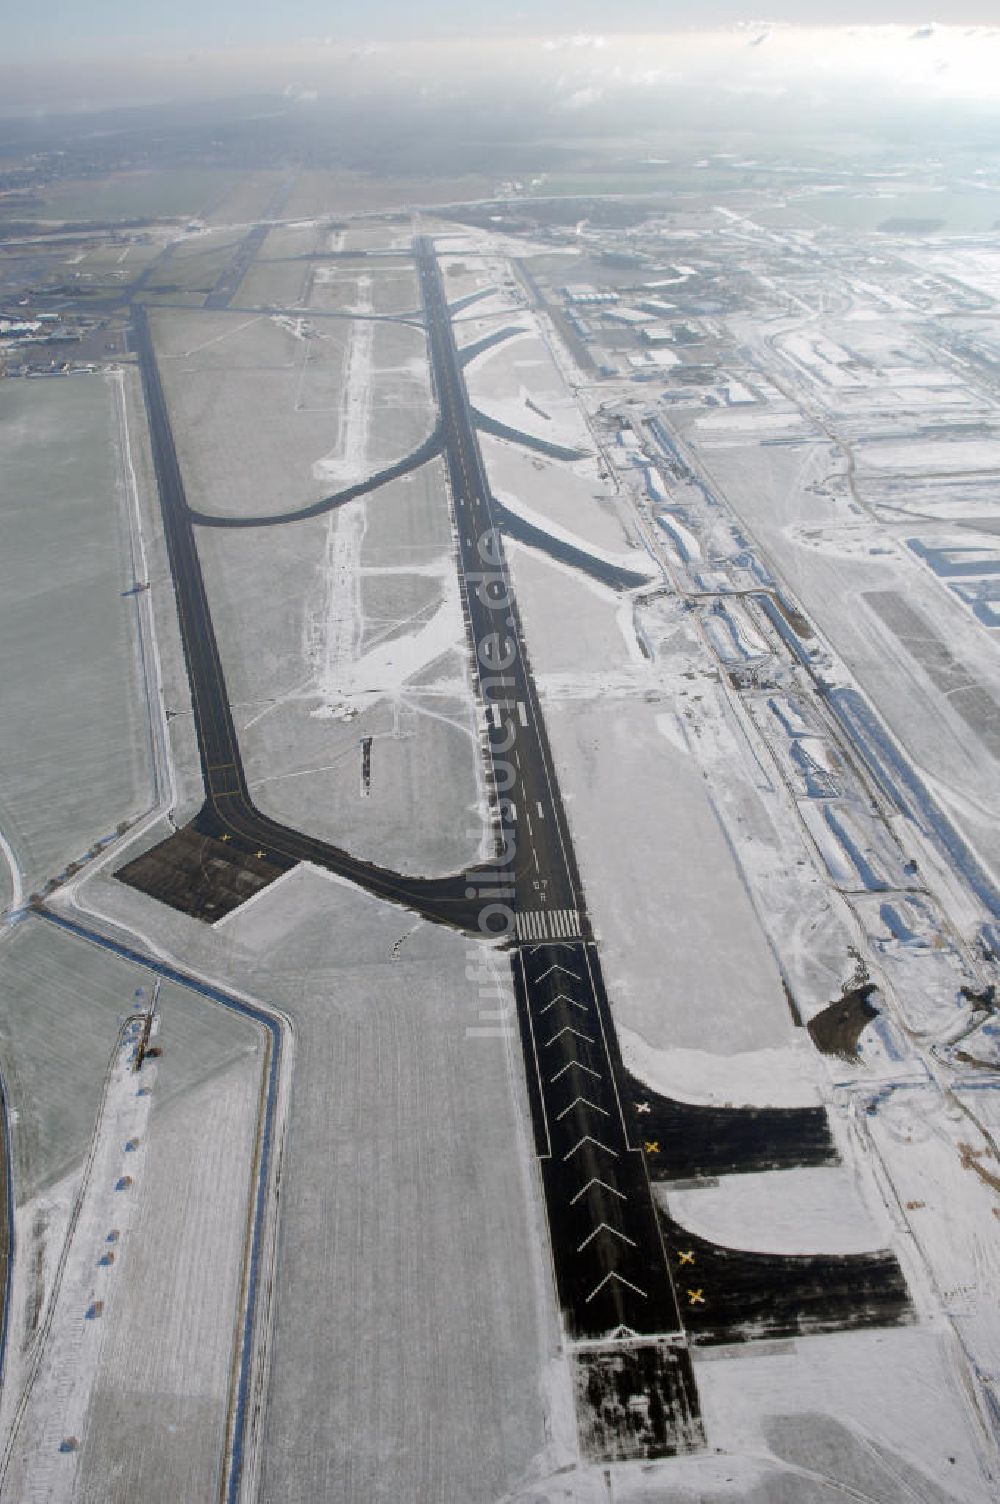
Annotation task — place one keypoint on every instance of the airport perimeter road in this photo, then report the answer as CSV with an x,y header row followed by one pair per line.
x,y
611,1266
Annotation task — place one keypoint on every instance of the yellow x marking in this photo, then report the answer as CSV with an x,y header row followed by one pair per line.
x,y
224,836
652,1146
695,1298
685,1255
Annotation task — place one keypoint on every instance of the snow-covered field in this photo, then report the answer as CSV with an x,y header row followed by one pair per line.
x,y
882,1410
941,457
73,734
272,414
348,625
414,1308
518,384
976,263
569,499
166,1364
345,627
131,1321
794,1211
662,884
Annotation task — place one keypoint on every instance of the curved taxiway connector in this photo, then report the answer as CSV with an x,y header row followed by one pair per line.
x,y
428,450
500,430
469,299
468,353
605,571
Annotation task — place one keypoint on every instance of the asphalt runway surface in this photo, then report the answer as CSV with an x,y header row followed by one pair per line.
x,y
249,248
610,1261
232,275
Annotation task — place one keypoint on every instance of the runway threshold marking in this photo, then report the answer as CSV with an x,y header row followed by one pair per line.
x,y
543,924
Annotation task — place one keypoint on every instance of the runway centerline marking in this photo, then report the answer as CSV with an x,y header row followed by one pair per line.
x,y
604,1186
603,1227
621,1280
561,999
589,1139
581,1101
569,1066
569,1029
556,967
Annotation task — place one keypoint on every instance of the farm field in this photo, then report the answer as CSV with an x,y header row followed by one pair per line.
x,y
160,1355
189,192
408,1270
74,738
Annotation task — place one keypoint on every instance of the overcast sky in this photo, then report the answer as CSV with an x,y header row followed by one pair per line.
x,y
586,57
67,28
